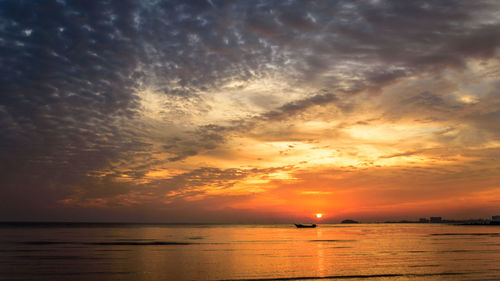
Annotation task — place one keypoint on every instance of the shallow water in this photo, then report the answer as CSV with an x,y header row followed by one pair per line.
x,y
249,252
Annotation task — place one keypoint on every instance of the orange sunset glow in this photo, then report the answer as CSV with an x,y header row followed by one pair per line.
x,y
240,113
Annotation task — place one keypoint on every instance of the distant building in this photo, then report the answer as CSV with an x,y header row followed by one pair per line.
x,y
495,220
423,220
436,219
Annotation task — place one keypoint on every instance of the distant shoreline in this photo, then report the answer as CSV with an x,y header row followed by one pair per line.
x,y
141,224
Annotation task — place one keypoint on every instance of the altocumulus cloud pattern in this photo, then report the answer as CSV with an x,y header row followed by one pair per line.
x,y
154,108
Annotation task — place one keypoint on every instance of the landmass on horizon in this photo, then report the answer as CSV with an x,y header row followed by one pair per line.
x,y
495,220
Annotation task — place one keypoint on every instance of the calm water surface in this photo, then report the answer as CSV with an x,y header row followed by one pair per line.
x,y
250,252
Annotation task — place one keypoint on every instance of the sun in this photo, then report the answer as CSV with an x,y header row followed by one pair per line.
x,y
319,215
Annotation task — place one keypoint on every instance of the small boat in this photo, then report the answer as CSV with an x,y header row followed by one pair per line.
x,y
298,225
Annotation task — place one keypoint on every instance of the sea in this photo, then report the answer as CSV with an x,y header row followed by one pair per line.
x,y
87,251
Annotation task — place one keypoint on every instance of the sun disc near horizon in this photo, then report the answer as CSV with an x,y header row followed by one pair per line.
x,y
319,215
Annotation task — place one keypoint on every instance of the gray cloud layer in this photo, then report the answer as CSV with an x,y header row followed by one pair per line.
x,y
69,72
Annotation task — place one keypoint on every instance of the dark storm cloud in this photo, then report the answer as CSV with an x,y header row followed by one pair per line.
x,y
424,100
293,108
189,183
204,138
198,182
211,136
407,153
69,70
203,177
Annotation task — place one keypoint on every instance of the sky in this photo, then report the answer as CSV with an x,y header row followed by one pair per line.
x,y
249,111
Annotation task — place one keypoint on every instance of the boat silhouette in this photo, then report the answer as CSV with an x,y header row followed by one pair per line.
x,y
298,225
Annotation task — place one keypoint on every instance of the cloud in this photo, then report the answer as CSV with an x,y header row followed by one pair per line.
x,y
293,108
408,153
97,94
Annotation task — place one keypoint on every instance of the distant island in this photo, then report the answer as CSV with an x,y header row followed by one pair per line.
x,y
349,221
495,220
